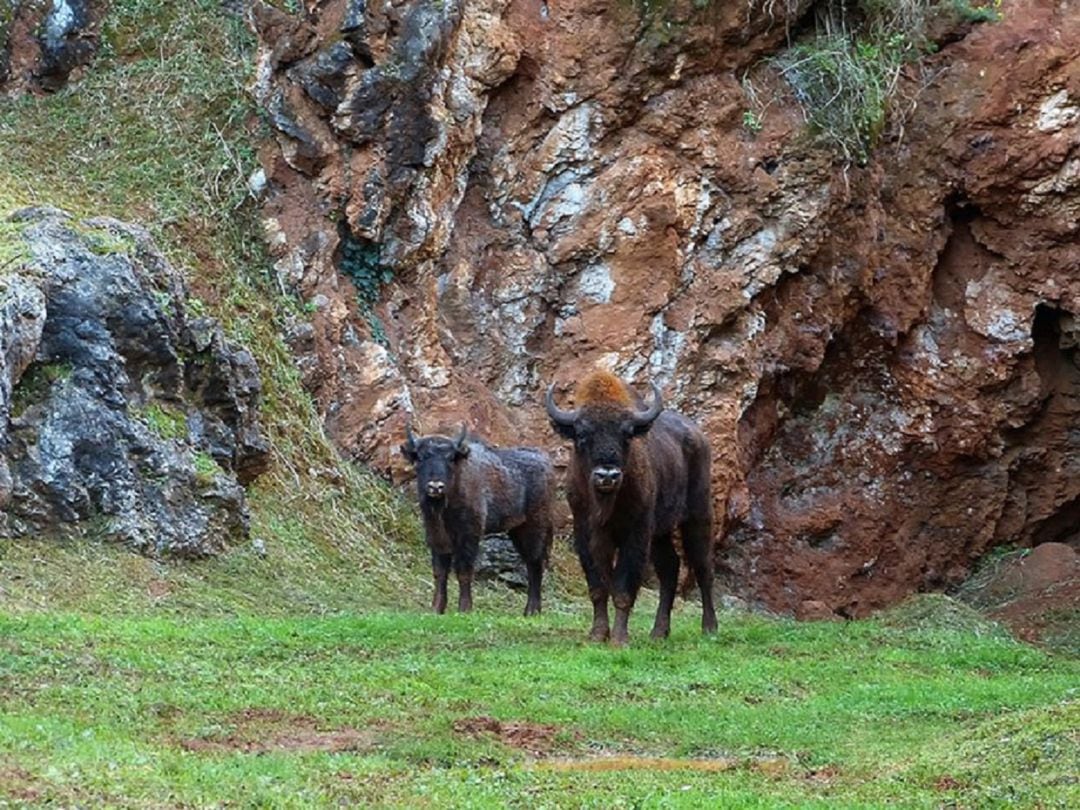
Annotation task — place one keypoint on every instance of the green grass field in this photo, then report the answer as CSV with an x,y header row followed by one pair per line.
x,y
409,709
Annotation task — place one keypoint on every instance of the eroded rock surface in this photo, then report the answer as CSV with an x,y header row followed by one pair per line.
x,y
884,357
43,42
123,415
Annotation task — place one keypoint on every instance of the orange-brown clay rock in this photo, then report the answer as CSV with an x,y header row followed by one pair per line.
x,y
884,357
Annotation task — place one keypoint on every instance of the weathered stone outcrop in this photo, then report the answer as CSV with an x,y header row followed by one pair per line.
x,y
43,42
122,414
884,357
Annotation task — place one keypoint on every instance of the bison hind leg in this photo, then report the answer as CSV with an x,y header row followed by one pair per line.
x,y
666,563
533,543
698,546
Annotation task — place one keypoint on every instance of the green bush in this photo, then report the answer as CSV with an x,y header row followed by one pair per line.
x,y
846,74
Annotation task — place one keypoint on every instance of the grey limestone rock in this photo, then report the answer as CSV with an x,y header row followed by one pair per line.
x,y
122,415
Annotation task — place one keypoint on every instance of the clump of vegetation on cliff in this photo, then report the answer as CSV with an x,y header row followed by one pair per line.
x,y
160,130
846,74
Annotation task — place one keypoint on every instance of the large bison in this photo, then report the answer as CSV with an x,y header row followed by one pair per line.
x,y
637,475
468,489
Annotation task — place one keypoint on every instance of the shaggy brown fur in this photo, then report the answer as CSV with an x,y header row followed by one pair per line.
x,y
634,479
602,388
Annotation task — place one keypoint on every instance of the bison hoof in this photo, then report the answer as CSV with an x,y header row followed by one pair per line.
x,y
599,634
620,641
708,627
660,632
532,610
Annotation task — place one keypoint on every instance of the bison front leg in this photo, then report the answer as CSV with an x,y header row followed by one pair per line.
x,y
629,569
666,562
464,565
440,569
596,578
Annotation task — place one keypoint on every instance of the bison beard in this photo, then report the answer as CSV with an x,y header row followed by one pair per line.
x,y
635,477
468,489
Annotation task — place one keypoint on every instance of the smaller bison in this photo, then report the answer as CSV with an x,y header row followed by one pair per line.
x,y
638,475
468,489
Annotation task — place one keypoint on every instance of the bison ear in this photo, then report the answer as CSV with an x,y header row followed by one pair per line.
x,y
462,452
408,451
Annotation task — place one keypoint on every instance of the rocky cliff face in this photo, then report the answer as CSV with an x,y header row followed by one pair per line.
x,y
884,357
43,43
123,413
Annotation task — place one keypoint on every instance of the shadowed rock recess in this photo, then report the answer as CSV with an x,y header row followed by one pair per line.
x,y
124,415
479,196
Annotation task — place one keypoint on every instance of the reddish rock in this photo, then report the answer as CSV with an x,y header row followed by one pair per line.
x,y
1048,567
812,610
42,45
885,357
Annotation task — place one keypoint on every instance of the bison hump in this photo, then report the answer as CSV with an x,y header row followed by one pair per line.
x,y
602,388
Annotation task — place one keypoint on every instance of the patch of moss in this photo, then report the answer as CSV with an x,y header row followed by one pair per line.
x,y
35,384
104,242
14,252
206,467
166,421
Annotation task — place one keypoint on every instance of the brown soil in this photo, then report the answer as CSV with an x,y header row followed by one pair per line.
x,y
1053,615
1036,593
18,785
534,738
259,731
770,766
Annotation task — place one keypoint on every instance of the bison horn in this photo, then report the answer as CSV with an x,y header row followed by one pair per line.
x,y
461,439
410,439
641,419
559,417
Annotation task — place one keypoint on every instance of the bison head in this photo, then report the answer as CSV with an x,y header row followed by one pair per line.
x,y
601,432
436,459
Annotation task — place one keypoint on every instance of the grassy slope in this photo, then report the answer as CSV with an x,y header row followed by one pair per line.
x,y
149,711
159,131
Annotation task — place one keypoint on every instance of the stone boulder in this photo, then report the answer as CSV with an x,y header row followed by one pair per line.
x,y
122,415
498,560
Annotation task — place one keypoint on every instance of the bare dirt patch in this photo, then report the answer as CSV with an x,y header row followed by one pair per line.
x,y
1035,592
629,762
534,738
18,785
259,731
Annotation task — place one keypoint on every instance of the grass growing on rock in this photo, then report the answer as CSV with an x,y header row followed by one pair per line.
x,y
495,710
160,131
